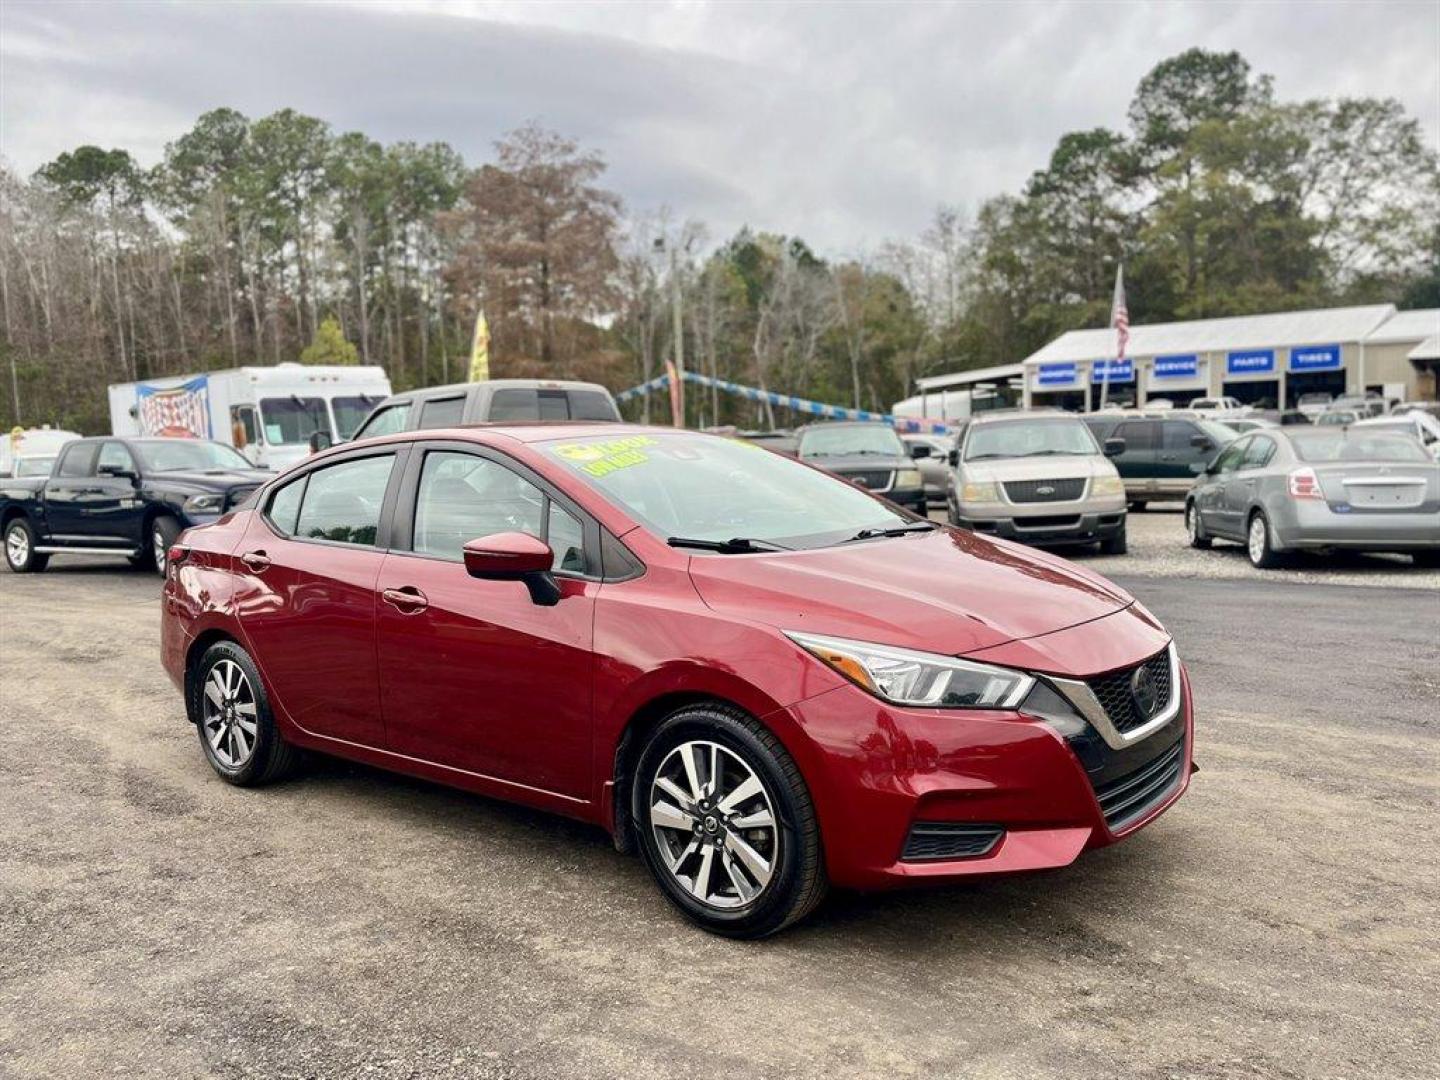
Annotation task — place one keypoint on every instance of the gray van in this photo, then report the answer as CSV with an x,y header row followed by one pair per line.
x,y
497,401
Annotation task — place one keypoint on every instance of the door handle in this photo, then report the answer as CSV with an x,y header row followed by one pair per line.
x,y
256,560
408,600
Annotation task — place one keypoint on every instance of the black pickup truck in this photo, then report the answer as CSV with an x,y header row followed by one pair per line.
x,y
111,496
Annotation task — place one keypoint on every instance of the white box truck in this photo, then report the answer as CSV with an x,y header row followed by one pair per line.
x,y
267,413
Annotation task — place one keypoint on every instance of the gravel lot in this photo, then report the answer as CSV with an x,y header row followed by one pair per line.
x,y
1278,922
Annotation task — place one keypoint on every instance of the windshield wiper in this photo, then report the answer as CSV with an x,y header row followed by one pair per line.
x,y
739,545
1046,453
895,530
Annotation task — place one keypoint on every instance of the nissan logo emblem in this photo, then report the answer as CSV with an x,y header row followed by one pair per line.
x,y
1144,692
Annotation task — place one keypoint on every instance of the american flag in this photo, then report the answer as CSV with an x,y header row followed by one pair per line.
x,y
1120,314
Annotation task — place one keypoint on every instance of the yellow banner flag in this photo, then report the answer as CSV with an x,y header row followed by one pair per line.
x,y
480,350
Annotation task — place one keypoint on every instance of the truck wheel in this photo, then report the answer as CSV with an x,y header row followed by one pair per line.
x,y
163,531
20,553
1115,545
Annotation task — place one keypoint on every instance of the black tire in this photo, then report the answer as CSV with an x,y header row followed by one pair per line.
x,y
162,532
1116,544
1195,528
1262,554
271,757
797,881
1428,559
20,555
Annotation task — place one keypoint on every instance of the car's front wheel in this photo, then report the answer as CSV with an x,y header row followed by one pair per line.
x,y
20,553
1195,528
232,714
726,824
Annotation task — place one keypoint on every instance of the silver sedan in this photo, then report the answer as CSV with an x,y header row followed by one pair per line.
x,y
1287,489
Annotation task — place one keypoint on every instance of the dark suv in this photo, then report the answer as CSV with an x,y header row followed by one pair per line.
x,y
1163,455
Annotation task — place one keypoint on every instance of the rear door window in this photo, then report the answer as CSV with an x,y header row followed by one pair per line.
x,y
79,460
342,502
442,412
1176,435
1138,434
1233,454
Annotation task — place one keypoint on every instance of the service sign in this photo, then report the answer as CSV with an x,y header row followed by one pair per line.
x,y
1116,371
1057,375
1250,362
1177,367
1315,357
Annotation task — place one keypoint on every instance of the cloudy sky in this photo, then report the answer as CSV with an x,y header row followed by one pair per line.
x,y
844,123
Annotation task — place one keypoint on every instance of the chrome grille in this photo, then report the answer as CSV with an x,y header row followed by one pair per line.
x,y
1033,491
874,479
1113,691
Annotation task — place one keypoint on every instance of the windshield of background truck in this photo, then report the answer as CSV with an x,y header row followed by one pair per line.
x,y
709,488
1029,438
186,455
34,466
350,411
844,439
293,419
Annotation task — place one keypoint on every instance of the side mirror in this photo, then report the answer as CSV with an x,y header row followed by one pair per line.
x,y
953,458
515,556
320,440
1114,447
118,473
1201,442
919,450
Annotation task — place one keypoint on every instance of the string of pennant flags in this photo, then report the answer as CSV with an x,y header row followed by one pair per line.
x,y
804,406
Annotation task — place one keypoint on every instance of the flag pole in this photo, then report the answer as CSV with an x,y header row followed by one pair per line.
x,y
1120,323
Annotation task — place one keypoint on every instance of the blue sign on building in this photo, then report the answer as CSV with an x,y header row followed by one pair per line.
x,y
1177,367
1314,357
1250,362
1120,371
1057,375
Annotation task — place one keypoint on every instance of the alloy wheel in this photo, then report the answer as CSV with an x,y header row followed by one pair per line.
x,y
1192,522
229,714
1257,539
157,545
17,546
714,824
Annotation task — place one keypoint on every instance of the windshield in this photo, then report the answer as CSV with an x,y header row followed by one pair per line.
x,y
705,487
293,419
187,455
34,466
837,440
1029,438
350,411
1358,445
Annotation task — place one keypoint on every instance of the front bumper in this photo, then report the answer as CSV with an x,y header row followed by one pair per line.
x,y
978,768
1059,527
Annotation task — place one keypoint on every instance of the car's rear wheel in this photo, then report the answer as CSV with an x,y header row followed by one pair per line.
x,y
20,553
1258,544
232,714
726,824
1195,528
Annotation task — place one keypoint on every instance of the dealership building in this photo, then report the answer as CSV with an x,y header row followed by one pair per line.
x,y
1263,360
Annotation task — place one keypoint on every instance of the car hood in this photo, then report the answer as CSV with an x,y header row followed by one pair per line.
x,y
948,591
1038,468
213,480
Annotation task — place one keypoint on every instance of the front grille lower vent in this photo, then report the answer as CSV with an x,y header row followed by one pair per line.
x,y
1131,796
1033,491
1117,697
929,840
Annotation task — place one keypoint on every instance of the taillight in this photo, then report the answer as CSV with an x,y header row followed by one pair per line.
x,y
1304,484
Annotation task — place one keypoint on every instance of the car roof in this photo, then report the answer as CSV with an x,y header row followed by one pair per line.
x,y
497,384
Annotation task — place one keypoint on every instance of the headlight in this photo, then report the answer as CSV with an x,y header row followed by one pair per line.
x,y
918,678
980,493
204,504
1107,485
908,478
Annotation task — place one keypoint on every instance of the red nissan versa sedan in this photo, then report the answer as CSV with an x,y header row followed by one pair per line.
x,y
763,677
